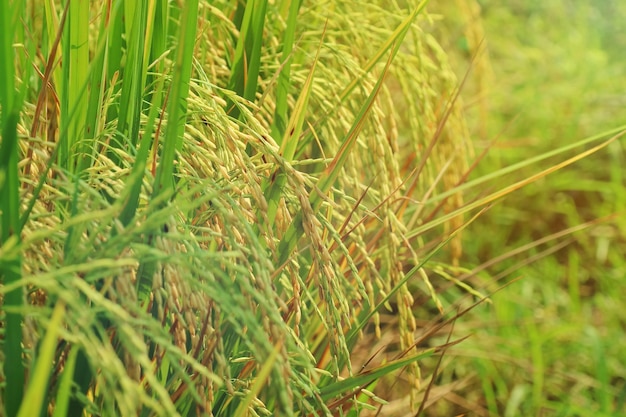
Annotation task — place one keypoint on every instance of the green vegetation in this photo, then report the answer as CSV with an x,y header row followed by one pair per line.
x,y
552,343
297,208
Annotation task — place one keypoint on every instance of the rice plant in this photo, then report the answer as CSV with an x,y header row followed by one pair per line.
x,y
232,208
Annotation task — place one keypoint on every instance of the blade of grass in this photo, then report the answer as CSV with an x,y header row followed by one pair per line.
x,y
76,50
177,107
260,380
255,37
282,87
11,270
513,187
527,248
36,391
52,28
347,385
96,88
64,392
526,162
10,103
247,60
136,17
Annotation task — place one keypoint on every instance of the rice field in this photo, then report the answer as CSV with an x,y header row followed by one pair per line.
x,y
291,208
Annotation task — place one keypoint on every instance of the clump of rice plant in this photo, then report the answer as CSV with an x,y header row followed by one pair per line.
x,y
209,208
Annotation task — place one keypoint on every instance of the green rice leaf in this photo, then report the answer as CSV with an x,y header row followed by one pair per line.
x,y
352,383
10,106
34,398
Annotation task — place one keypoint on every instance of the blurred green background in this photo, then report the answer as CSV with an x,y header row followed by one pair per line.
x,y
544,74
